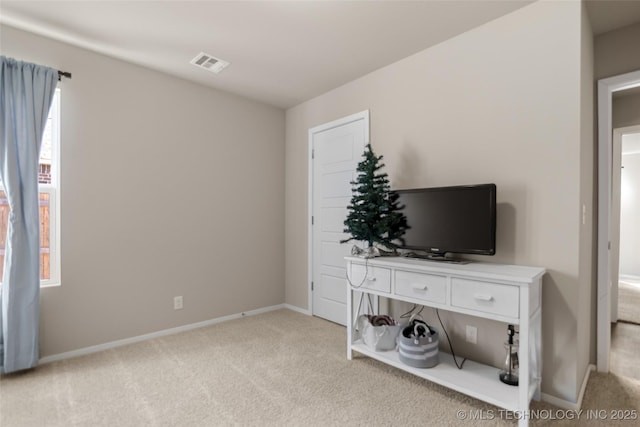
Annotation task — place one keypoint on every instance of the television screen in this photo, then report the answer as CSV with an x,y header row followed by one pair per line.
x,y
459,219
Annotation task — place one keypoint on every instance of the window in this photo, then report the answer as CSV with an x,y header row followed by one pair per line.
x,y
48,183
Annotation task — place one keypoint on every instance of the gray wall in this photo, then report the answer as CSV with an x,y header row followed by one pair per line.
x,y
616,52
626,108
502,103
587,270
167,188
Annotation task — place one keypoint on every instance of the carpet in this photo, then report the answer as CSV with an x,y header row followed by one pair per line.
x,y
629,301
280,368
625,347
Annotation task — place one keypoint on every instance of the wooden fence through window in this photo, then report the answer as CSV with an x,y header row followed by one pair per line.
x,y
45,243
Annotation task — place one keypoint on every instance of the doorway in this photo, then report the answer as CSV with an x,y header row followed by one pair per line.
x,y
335,149
625,229
625,247
606,88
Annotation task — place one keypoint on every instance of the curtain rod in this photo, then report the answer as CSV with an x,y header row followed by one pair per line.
x,y
62,74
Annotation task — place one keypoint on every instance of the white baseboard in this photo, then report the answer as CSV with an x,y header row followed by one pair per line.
x,y
585,380
139,338
297,309
628,277
567,404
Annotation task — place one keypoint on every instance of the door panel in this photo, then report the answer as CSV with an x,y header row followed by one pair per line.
x,y
338,150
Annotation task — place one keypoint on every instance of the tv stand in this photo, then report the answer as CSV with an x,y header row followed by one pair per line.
x,y
506,293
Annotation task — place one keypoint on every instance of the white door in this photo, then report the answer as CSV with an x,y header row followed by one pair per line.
x,y
336,149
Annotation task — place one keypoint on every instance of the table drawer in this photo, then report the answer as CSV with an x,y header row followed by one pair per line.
x,y
427,287
487,297
377,278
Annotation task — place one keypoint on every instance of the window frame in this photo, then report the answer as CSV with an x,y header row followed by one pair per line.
x,y
53,190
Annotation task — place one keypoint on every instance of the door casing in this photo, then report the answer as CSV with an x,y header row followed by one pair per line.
x,y
606,87
363,115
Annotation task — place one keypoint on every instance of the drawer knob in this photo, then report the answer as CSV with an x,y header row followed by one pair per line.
x,y
420,287
483,297
371,279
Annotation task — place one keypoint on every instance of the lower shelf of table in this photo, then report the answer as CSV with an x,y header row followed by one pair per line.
x,y
474,379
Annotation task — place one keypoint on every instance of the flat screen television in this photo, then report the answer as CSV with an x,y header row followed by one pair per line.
x,y
458,219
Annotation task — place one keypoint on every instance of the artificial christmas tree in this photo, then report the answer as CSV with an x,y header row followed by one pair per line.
x,y
374,214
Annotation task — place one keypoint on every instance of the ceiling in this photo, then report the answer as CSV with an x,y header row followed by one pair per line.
x,y
281,52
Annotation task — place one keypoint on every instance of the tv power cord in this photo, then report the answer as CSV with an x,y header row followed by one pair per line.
x,y
450,346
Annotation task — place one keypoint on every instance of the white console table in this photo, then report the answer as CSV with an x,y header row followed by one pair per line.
x,y
505,293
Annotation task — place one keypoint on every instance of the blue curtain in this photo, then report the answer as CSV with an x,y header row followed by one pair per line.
x,y
26,92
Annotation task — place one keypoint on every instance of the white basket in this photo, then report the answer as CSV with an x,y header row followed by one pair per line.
x,y
378,338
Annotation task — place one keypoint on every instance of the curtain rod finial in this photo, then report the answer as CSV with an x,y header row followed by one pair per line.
x,y
62,74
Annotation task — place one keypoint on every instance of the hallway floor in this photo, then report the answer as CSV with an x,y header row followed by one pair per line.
x,y
629,300
625,347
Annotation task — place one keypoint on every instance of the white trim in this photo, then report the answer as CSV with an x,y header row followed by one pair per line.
x,y
629,277
363,115
567,404
585,381
56,169
297,309
606,87
145,337
309,223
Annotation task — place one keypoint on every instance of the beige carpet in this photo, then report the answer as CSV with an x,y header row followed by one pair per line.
x,y
625,347
276,369
629,301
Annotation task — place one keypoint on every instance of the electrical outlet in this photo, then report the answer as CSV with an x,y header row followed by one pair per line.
x,y
177,303
472,334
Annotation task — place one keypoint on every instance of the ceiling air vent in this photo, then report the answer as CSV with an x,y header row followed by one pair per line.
x,y
210,63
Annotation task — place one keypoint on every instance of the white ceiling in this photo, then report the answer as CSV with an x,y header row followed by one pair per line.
x,y
281,52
